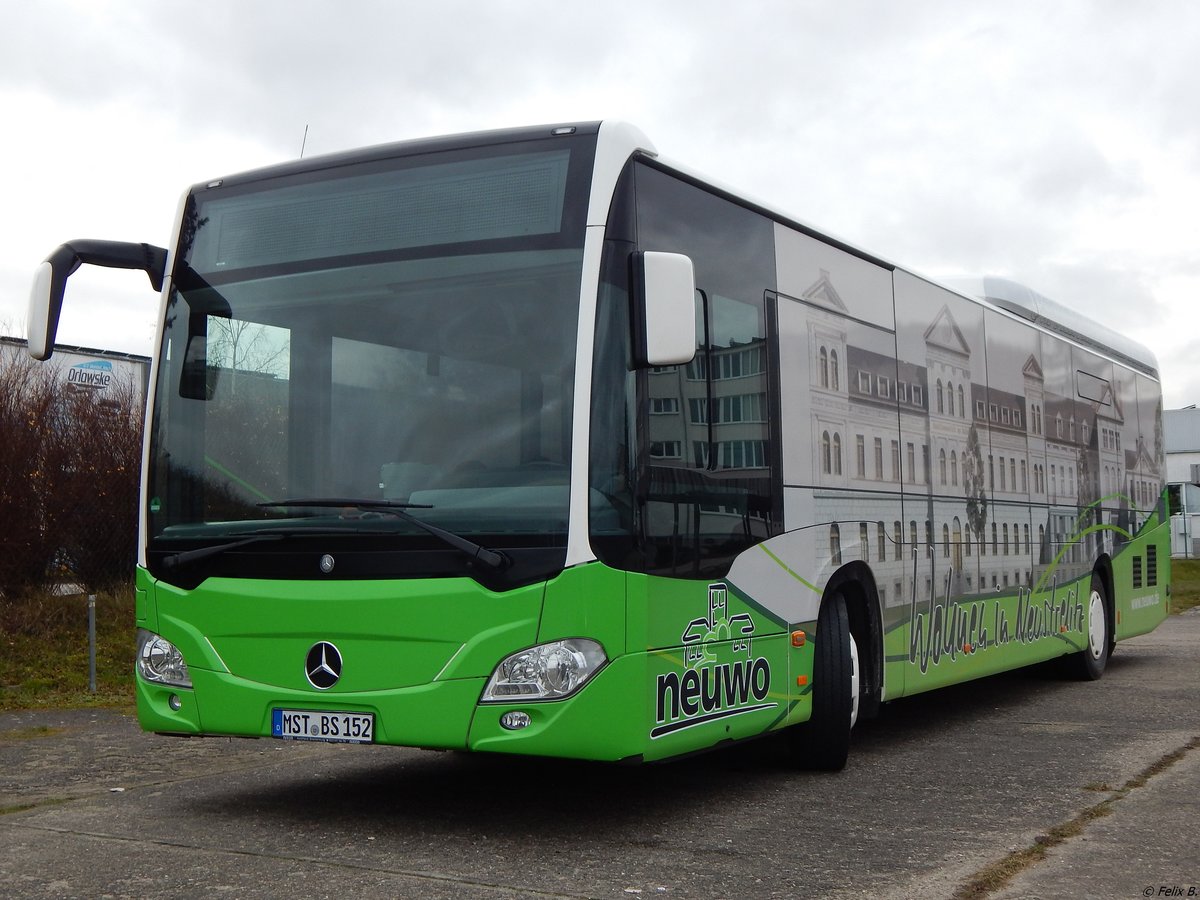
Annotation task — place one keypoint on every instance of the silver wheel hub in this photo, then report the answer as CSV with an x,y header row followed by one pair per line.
x,y
1097,632
853,681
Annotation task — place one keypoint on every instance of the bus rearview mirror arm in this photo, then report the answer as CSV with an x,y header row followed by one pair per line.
x,y
664,309
50,281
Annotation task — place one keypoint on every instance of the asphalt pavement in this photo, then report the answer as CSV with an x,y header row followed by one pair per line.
x,y
939,791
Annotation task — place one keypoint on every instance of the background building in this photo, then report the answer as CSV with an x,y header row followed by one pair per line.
x,y
1181,435
87,368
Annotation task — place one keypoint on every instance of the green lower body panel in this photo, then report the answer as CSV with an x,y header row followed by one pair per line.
x,y
602,722
697,665
612,718
651,706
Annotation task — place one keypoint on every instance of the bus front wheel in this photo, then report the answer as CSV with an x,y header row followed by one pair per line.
x,y
823,742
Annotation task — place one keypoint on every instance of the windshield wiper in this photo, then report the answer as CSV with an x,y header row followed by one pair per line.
x,y
186,557
477,552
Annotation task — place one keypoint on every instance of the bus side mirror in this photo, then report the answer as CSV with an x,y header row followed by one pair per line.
x,y
45,304
665,309
50,282
194,382
197,379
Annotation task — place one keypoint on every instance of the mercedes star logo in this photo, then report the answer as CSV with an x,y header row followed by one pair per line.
x,y
323,667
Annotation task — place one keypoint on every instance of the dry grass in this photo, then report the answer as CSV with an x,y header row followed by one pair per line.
x,y
1185,584
44,651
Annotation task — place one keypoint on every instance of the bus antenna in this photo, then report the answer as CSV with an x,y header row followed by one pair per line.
x,y
304,140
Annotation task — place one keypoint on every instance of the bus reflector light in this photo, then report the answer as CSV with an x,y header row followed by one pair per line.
x,y
798,638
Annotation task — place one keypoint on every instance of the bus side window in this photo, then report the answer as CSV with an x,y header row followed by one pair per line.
x,y
707,471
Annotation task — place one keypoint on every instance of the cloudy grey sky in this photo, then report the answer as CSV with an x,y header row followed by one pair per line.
x,y
1054,143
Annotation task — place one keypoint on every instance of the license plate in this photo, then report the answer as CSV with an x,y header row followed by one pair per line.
x,y
319,725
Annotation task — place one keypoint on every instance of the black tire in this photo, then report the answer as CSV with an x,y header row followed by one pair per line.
x,y
1089,663
823,742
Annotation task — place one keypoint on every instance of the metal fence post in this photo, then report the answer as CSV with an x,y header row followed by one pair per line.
x,y
92,643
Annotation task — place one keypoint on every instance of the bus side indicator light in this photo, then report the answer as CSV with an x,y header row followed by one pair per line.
x,y
798,638
801,680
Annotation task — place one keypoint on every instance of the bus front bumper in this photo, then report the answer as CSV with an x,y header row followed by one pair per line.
x,y
595,723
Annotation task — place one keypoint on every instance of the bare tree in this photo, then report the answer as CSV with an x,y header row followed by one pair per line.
x,y
237,346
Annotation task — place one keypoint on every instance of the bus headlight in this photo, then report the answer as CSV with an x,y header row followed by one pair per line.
x,y
545,672
160,661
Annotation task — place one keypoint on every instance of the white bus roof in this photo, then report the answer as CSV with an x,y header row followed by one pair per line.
x,y
1027,303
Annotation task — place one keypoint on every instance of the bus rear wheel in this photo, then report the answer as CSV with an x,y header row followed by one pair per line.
x,y
1089,663
823,742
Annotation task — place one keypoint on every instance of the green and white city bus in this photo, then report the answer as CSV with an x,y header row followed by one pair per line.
x,y
532,442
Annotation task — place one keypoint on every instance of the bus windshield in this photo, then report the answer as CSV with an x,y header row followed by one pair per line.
x,y
399,330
